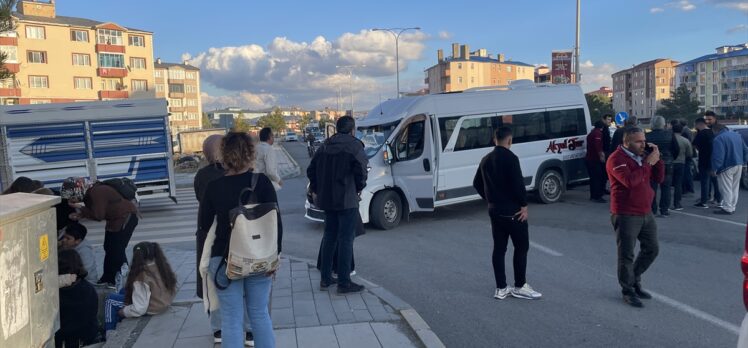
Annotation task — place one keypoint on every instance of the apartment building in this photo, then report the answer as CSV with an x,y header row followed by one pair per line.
x,y
602,92
719,81
180,85
467,69
67,59
639,91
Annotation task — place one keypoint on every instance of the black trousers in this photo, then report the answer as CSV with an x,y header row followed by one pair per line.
x,y
115,244
503,228
665,195
596,170
629,229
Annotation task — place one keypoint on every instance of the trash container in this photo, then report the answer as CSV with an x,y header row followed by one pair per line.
x,y
29,295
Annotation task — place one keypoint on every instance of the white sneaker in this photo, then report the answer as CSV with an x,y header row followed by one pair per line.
x,y
502,293
526,292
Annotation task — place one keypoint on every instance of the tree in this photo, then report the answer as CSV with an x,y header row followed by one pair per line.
x,y
305,121
6,24
599,105
274,120
206,121
240,124
680,105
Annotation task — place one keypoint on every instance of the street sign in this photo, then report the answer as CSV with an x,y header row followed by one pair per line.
x,y
621,117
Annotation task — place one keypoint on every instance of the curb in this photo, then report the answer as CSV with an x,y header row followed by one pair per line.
x,y
297,172
422,329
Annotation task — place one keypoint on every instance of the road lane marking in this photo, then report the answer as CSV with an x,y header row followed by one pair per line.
x,y
545,249
710,218
695,312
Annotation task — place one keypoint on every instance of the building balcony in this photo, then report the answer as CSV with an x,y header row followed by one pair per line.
x,y
8,41
113,94
10,92
446,73
426,81
112,72
12,67
177,109
109,48
177,95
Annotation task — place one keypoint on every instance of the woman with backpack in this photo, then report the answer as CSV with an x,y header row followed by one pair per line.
x,y
102,202
221,196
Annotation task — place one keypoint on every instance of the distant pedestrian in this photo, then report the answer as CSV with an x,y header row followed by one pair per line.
x,y
103,203
79,303
703,142
711,118
679,165
688,170
618,134
669,150
337,175
631,168
595,161
729,154
266,162
499,181
74,237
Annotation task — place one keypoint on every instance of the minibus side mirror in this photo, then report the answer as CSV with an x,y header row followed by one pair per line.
x,y
388,154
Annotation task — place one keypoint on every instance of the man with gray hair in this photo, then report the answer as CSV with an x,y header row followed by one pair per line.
x,y
669,150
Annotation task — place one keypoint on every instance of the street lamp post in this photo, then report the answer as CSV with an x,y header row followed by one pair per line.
x,y
350,76
396,32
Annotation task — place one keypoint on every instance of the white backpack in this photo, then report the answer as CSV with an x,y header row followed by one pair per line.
x,y
253,247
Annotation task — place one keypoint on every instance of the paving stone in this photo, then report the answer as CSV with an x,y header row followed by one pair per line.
x,y
316,337
304,307
362,315
390,298
355,301
301,284
390,336
307,320
284,338
282,317
281,292
303,296
359,335
195,342
196,324
162,329
282,302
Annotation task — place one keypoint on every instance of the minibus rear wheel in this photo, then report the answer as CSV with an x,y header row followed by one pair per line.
x,y
550,186
386,210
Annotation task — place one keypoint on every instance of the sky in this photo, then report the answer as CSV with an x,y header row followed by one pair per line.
x,y
257,54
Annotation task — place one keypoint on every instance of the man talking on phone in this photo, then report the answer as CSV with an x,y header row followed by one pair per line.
x,y
499,181
630,169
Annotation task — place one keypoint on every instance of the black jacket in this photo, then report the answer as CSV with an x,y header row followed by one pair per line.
x,y
607,147
204,176
499,181
665,141
703,143
338,172
78,310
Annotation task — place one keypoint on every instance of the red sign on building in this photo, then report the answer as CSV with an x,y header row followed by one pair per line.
x,y
561,67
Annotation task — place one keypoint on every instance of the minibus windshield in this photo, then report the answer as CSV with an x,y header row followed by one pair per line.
x,y
375,136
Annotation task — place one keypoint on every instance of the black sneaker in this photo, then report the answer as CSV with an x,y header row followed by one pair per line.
x,y
249,339
217,336
632,300
350,288
598,200
640,293
701,205
324,285
664,214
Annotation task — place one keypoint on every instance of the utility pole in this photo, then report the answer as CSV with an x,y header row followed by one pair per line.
x,y
578,74
396,32
350,76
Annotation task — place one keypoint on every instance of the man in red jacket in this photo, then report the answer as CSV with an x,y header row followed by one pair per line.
x,y
630,169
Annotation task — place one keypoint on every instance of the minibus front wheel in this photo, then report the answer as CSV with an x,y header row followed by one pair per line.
x,y
386,210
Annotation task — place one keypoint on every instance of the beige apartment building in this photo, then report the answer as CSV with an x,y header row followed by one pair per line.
x,y
66,59
180,85
467,69
639,91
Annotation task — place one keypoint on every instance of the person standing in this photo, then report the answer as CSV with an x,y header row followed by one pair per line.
x,y
596,162
337,175
669,150
710,118
680,165
607,146
500,183
618,134
729,153
266,162
687,173
703,144
630,170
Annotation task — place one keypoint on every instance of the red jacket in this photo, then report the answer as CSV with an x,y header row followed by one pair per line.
x,y
594,145
630,189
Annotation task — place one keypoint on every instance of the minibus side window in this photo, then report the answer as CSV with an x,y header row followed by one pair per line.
x,y
567,123
527,127
410,142
446,128
476,133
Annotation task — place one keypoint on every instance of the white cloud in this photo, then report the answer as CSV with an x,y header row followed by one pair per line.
x,y
683,5
239,99
737,29
302,73
596,76
656,10
445,35
731,4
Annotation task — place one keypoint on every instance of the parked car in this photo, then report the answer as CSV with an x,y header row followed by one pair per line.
x,y
318,137
291,136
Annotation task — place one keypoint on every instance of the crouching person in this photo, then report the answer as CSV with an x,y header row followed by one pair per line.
x,y
78,303
150,288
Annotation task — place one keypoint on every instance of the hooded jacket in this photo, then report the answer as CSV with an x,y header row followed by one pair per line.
x,y
338,172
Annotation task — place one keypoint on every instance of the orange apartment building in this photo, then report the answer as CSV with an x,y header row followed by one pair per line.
x,y
639,91
180,85
59,59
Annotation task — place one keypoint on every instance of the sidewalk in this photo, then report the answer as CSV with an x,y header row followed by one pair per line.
x,y
303,316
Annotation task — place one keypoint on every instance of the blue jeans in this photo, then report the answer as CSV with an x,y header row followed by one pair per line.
x,y
708,183
340,229
251,294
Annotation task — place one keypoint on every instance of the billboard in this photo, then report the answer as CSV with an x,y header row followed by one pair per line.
x,y
561,67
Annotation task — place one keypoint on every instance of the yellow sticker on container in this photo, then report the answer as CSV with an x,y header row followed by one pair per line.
x,y
43,247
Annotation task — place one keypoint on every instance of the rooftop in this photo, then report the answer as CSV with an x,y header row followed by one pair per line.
x,y
64,20
163,65
488,60
735,53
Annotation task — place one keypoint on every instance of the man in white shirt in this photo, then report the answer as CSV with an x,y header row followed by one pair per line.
x,y
266,162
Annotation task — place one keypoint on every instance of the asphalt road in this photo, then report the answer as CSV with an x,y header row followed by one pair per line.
x,y
440,263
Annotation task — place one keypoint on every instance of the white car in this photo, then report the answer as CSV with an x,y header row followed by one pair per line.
x,y
291,136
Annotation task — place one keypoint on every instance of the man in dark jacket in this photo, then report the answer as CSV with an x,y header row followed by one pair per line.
x,y
618,134
630,170
687,174
337,175
607,148
500,183
703,144
669,150
595,161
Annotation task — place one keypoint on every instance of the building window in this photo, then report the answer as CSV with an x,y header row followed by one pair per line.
x,y
191,102
160,88
136,40
509,68
472,66
191,89
38,82
83,83
190,75
110,60
139,85
714,100
176,88
459,65
40,101
662,90
459,79
37,57
715,90
8,83
175,103
11,53
662,81
110,84
662,70
79,35
81,59
137,63
157,73
33,32
176,74
109,37
702,90
472,79
176,116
